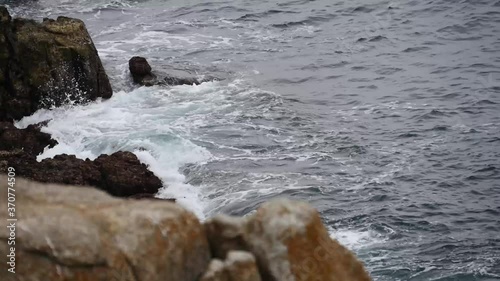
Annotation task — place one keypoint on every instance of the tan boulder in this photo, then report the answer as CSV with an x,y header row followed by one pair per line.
x,y
79,233
238,266
290,243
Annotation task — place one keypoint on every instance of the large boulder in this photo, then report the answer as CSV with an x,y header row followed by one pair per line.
x,y
289,242
79,233
47,64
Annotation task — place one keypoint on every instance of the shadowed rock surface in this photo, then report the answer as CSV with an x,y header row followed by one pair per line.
x,y
47,64
142,74
80,233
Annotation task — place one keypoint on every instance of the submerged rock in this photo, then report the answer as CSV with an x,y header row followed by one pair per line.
x,y
47,64
80,233
142,74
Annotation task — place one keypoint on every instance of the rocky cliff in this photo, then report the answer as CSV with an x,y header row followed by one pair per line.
x,y
79,233
47,64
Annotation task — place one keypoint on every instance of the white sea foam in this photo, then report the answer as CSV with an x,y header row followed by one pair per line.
x,y
144,121
356,239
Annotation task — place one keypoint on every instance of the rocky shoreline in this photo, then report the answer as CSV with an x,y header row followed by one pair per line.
x,y
75,232
81,233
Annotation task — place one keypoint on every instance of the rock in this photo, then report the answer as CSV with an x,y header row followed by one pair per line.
x,y
31,139
289,242
239,266
141,71
120,174
47,64
79,233
149,196
124,175
225,234
142,74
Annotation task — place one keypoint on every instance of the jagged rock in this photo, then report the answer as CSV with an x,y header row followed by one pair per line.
x,y
31,140
142,74
120,174
290,243
141,71
47,64
79,233
238,266
124,175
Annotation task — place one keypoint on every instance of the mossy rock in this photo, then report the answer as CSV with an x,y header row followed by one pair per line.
x,y
48,64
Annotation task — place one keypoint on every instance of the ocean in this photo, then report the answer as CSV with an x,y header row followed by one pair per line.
x,y
384,115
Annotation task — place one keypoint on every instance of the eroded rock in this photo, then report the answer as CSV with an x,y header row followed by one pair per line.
x,y
289,242
80,233
47,64
124,175
31,139
120,174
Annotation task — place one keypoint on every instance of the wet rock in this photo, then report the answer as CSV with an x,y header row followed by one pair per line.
x,y
120,174
141,71
80,233
124,175
31,139
47,64
142,74
289,242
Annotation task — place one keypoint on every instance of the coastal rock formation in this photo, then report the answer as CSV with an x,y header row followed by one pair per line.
x,y
123,174
80,233
289,242
47,64
142,74
30,140
120,174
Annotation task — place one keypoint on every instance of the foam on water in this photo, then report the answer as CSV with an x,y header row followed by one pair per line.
x,y
143,121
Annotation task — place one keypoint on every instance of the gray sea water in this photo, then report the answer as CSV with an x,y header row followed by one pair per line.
x,y
384,115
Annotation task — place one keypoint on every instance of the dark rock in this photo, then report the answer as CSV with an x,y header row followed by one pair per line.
x,y
142,74
141,71
63,168
124,175
149,196
30,140
120,174
47,64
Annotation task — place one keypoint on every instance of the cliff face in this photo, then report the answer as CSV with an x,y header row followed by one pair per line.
x,y
47,64
79,233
